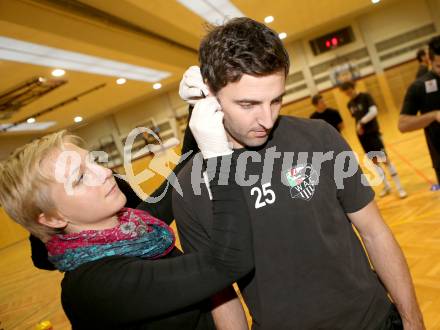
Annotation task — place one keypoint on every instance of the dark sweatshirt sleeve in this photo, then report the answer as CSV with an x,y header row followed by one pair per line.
x,y
119,290
163,209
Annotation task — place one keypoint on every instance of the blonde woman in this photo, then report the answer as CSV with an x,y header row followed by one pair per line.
x,y
106,251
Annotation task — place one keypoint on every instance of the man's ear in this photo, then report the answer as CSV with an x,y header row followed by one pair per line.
x,y
52,221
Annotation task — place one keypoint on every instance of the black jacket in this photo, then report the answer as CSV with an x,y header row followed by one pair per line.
x,y
132,293
162,210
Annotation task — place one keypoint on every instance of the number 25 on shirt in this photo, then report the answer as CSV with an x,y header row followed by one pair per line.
x,y
264,195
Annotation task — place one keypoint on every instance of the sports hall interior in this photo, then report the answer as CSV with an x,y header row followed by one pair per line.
x,y
164,36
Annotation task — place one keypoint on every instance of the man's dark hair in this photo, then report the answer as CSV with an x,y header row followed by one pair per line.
x,y
420,55
346,85
241,46
316,98
434,47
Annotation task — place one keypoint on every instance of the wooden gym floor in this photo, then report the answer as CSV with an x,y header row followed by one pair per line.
x,y
29,295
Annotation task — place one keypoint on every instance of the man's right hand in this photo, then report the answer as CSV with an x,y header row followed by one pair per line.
x,y
192,88
206,124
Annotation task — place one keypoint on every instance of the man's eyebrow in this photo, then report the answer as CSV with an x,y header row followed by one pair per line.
x,y
279,96
251,101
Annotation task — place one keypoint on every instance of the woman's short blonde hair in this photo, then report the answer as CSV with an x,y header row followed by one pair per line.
x,y
24,187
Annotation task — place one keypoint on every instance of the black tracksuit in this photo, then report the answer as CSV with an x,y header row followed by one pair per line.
x,y
423,96
131,293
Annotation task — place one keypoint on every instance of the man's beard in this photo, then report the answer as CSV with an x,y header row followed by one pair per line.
x,y
244,140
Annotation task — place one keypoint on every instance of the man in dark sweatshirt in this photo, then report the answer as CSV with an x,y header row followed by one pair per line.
x,y
311,271
421,108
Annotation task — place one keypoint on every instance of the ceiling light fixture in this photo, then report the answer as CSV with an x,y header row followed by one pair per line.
x,y
213,11
27,52
30,120
41,126
375,1
121,81
157,85
268,19
58,72
282,35
78,119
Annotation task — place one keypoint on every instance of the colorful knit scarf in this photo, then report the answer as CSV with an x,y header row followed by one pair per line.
x,y
138,235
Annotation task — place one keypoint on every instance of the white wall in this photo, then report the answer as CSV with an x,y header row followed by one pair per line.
x,y
402,16
160,108
369,28
372,27
93,131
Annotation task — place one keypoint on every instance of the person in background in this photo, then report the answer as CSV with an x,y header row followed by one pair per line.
x,y
423,60
325,113
421,108
364,110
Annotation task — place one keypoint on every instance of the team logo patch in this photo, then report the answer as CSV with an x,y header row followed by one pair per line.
x,y
302,180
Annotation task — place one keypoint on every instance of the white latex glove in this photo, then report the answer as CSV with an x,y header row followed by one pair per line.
x,y
192,88
206,124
